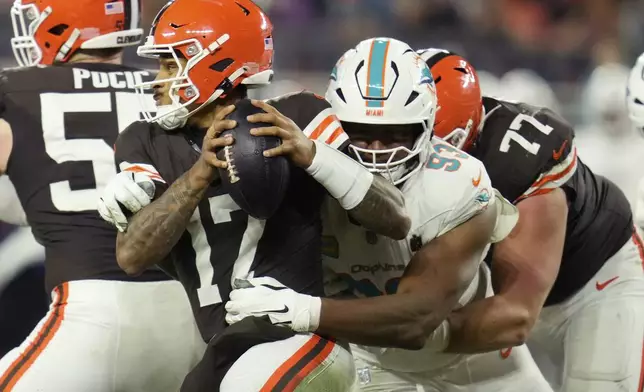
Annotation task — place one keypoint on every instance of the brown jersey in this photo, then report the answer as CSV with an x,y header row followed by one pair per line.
x,y
222,241
529,151
65,120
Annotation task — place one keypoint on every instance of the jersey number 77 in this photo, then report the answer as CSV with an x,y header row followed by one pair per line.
x,y
512,134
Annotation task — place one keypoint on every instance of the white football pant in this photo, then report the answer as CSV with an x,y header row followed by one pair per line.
x,y
398,370
304,362
107,336
594,340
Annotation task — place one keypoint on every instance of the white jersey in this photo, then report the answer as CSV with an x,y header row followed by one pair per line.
x,y
451,188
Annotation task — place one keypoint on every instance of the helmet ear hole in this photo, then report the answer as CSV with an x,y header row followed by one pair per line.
x,y
412,97
58,30
339,92
221,65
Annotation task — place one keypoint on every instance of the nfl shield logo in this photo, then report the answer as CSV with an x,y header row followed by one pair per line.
x,y
364,376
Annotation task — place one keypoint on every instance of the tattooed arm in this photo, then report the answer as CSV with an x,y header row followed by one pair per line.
x,y
383,210
156,229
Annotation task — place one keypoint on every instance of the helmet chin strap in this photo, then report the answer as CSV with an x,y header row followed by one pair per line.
x,y
67,46
395,173
175,115
172,117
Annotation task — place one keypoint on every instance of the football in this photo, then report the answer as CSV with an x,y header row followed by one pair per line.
x,y
256,183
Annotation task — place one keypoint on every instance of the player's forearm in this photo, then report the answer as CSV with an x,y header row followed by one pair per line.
x,y
524,268
370,199
383,210
490,324
399,320
156,229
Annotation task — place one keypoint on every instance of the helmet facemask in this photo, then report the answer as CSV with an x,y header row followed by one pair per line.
x,y
384,83
26,18
182,88
401,163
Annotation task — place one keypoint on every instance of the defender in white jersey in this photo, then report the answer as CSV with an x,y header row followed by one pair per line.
x,y
399,293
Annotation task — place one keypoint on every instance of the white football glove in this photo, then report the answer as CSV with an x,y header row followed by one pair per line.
x,y
639,206
133,190
264,296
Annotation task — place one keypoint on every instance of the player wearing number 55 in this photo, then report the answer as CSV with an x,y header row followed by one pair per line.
x,y
60,113
206,129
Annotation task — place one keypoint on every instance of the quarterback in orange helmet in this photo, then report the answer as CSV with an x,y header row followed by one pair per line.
x,y
210,52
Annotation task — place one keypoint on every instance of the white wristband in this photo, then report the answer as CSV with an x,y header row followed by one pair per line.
x,y
439,339
307,313
639,205
345,179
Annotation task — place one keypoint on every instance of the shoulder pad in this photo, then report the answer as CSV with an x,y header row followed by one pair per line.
x,y
14,79
140,129
451,188
523,147
301,107
313,114
137,136
20,78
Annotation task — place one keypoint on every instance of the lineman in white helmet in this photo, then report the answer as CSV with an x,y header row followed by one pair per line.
x,y
606,141
635,94
400,292
635,105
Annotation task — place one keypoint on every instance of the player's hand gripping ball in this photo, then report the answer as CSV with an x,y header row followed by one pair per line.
x,y
295,144
256,183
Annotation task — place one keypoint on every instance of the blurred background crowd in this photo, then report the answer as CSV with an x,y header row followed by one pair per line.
x,y
573,56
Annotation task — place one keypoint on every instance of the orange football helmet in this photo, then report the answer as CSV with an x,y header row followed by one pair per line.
x,y
460,103
226,43
48,31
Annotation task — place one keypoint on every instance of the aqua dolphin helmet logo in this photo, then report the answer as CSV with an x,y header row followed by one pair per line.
x,y
426,76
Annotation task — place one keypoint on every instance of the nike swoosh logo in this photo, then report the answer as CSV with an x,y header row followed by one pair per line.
x,y
557,154
505,353
176,26
476,181
276,288
283,310
600,286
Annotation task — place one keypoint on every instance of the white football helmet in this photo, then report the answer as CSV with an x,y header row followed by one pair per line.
x,y
603,98
635,95
526,86
384,82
